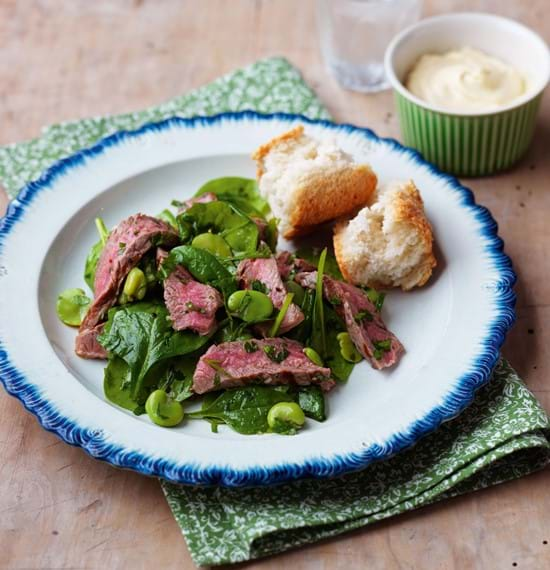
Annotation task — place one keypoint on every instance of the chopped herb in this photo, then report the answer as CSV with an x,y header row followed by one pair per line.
x,y
275,355
380,347
121,247
376,298
257,285
250,346
177,203
363,316
336,301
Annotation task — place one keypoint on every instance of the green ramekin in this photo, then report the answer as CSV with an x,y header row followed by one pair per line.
x,y
469,144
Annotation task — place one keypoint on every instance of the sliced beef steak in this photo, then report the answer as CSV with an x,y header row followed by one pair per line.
x,y
127,244
202,199
288,264
87,345
192,305
365,325
270,361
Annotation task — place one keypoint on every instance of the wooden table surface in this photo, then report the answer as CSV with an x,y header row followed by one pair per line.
x,y
66,59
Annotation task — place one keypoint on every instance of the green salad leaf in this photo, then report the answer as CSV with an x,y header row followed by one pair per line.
x,y
241,192
168,217
223,218
203,265
117,384
232,329
95,253
178,379
243,409
312,401
144,339
312,255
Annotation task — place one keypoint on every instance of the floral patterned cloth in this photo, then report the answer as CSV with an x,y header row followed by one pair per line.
x,y
504,434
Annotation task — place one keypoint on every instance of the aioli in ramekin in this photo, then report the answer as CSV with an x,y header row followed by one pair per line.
x,y
465,80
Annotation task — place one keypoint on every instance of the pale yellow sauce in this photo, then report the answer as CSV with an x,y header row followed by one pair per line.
x,y
465,80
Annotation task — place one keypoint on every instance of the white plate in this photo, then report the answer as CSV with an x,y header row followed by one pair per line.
x,y
452,329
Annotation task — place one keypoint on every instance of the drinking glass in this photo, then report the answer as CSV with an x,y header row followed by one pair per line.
x,y
354,34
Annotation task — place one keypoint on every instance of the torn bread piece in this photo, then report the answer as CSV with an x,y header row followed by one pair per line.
x,y
389,243
309,182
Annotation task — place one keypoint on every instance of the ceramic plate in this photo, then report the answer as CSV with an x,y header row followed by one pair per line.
x,y
452,329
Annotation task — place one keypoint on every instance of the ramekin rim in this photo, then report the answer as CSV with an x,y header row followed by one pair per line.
x,y
396,84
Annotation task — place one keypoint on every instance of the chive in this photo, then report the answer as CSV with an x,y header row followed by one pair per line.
x,y
282,312
376,298
257,285
363,315
102,230
320,344
380,347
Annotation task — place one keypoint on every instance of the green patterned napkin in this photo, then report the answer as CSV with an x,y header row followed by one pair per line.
x,y
503,435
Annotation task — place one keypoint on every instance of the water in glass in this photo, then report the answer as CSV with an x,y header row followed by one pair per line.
x,y
354,34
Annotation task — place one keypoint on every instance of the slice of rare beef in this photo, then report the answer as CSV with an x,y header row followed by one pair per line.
x,y
192,305
87,345
263,275
271,361
364,323
202,199
126,245
289,264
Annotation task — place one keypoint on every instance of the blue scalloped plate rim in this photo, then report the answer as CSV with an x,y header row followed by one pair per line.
x,y
94,442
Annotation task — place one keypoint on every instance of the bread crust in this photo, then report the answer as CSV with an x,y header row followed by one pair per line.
x,y
261,152
329,196
408,207
321,197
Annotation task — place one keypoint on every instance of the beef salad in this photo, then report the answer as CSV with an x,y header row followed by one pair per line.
x,y
197,305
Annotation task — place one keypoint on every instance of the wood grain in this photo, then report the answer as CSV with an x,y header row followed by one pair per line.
x,y
66,59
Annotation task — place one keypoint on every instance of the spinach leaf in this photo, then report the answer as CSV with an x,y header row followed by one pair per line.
x,y
318,334
272,234
236,228
142,340
95,253
168,217
116,384
154,307
242,192
231,330
91,264
178,379
202,265
244,409
312,401
313,254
